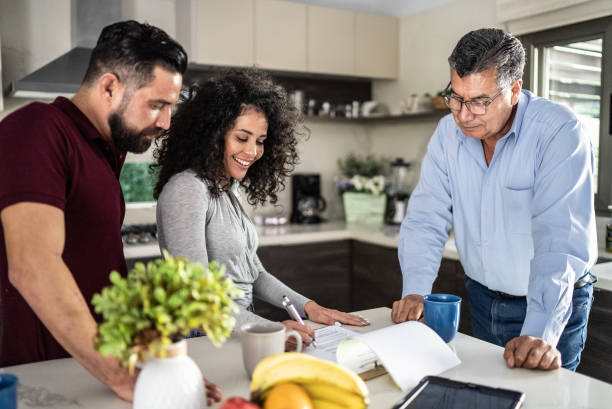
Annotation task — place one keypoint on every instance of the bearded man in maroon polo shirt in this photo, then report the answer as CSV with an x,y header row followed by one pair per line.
x,y
61,204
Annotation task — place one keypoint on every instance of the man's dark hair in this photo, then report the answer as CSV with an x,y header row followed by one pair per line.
x,y
489,48
131,51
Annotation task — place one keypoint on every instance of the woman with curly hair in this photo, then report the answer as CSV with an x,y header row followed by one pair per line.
x,y
239,130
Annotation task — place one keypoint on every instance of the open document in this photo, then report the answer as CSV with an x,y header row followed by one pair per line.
x,y
408,351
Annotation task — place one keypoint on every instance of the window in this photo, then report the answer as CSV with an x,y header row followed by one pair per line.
x,y
572,65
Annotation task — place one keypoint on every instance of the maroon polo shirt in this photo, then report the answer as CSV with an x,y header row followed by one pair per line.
x,y
52,154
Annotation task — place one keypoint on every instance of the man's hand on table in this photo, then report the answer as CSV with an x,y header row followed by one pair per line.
x,y
532,353
409,308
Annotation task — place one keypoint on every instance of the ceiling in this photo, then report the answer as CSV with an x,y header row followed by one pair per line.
x,y
396,8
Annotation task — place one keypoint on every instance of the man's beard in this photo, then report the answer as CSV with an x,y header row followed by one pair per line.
x,y
127,139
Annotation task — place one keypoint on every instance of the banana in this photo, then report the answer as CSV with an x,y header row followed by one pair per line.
x,y
325,404
323,391
305,369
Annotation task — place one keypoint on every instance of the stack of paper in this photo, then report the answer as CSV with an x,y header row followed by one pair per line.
x,y
408,351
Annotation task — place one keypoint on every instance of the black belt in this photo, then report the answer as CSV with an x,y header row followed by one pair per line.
x,y
581,282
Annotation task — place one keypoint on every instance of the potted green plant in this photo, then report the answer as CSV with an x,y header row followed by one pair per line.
x,y
438,101
145,316
363,188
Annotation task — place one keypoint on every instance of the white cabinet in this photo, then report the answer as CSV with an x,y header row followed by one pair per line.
x,y
280,35
331,41
376,46
221,33
287,36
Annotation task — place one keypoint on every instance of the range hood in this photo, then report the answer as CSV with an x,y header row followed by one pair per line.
x,y
63,75
60,77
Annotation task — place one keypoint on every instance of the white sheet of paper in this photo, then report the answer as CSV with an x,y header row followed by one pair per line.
x,y
409,351
328,339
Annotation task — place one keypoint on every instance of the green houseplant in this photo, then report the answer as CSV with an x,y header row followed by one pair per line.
x,y
363,188
146,314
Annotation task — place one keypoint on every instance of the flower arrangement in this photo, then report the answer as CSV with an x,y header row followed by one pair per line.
x,y
159,302
362,174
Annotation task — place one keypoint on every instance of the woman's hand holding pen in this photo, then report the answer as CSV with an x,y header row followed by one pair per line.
x,y
305,332
323,315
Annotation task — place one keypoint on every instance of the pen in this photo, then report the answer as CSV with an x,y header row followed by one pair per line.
x,y
294,314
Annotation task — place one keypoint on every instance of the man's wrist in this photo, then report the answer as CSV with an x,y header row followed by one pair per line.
x,y
538,325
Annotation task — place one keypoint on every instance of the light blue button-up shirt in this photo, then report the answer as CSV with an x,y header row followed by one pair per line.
x,y
524,225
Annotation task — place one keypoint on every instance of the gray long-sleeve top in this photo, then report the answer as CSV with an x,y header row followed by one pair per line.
x,y
193,224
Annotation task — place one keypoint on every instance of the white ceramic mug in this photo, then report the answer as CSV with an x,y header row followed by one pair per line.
x,y
262,339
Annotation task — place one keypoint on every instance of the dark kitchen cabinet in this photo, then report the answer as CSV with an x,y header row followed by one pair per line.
x,y
596,359
319,271
377,278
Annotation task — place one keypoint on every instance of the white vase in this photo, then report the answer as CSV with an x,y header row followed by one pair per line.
x,y
172,382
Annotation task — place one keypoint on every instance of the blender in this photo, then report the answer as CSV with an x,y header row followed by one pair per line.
x,y
402,177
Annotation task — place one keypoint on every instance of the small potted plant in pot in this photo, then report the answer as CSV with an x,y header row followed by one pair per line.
x,y
363,188
145,316
438,101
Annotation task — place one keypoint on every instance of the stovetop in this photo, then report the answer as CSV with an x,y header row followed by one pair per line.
x,y
139,233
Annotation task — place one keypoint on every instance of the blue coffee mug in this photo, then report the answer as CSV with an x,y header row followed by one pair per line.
x,y
442,314
8,391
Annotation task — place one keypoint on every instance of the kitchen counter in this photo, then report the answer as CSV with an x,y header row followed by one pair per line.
x,y
387,236
64,383
291,234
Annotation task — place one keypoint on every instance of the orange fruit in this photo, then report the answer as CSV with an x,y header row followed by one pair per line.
x,y
287,396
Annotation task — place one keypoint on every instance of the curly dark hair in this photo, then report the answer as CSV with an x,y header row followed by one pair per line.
x,y
196,138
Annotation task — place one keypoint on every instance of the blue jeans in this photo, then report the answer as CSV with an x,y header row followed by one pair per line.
x,y
498,320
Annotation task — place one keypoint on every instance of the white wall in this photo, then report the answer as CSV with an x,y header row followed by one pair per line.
x,y
160,13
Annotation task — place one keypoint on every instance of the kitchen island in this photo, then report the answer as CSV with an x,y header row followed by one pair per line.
x,y
360,269
63,383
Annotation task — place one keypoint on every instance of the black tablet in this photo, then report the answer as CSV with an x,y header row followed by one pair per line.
x,y
434,392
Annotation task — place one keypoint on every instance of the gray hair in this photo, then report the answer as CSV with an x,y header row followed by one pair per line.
x,y
489,48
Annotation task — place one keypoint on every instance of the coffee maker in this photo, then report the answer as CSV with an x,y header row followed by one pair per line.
x,y
307,203
402,177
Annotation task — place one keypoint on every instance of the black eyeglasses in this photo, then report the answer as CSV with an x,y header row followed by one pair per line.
x,y
475,107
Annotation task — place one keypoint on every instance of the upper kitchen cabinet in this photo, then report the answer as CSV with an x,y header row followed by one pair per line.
x,y
331,41
376,46
217,32
287,36
280,35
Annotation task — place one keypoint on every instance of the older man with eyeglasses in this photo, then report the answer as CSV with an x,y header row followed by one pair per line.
x,y
512,174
